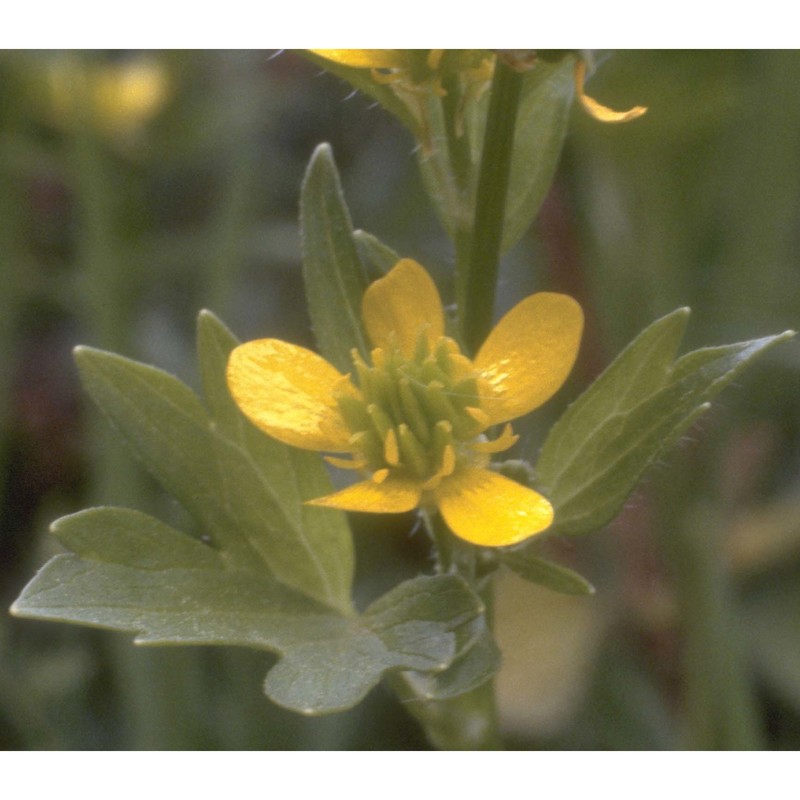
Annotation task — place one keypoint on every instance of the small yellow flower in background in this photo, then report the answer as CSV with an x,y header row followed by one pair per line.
x,y
597,110
414,420
409,68
119,97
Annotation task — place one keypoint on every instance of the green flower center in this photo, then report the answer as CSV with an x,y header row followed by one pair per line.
x,y
414,417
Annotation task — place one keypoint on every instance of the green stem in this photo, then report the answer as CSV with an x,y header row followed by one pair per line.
x,y
468,721
720,708
478,268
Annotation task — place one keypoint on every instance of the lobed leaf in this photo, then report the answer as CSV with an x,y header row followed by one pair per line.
x,y
130,572
641,405
477,661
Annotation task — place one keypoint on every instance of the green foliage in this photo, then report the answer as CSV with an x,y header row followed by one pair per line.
x,y
542,116
375,252
130,572
244,490
334,276
450,166
476,661
539,570
639,407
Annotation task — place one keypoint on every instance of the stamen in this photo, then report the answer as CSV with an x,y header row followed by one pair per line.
x,y
506,439
432,482
440,407
380,420
390,450
368,445
448,460
380,475
413,411
346,463
414,454
354,412
442,437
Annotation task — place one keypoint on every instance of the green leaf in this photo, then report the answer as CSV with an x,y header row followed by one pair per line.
x,y
640,406
219,478
168,429
375,252
539,570
411,627
267,483
132,573
334,276
542,117
477,661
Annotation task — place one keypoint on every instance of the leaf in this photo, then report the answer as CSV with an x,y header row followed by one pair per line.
x,y
132,573
167,427
411,627
477,661
641,405
375,252
539,570
542,118
195,459
334,276
260,475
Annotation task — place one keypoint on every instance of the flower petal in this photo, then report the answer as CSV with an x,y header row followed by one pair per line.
x,y
287,391
392,496
597,110
399,305
367,59
490,510
529,354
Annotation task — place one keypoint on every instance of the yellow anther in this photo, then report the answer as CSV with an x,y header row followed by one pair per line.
x,y
448,461
391,452
380,475
505,440
346,463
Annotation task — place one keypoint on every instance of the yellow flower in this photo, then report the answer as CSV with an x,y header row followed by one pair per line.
x,y
119,97
408,67
414,420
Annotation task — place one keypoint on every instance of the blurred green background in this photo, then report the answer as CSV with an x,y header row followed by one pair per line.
x,y
138,188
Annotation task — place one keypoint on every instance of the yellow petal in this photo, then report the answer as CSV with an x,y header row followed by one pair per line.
x,y
597,110
367,59
398,306
391,496
490,510
529,354
287,391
